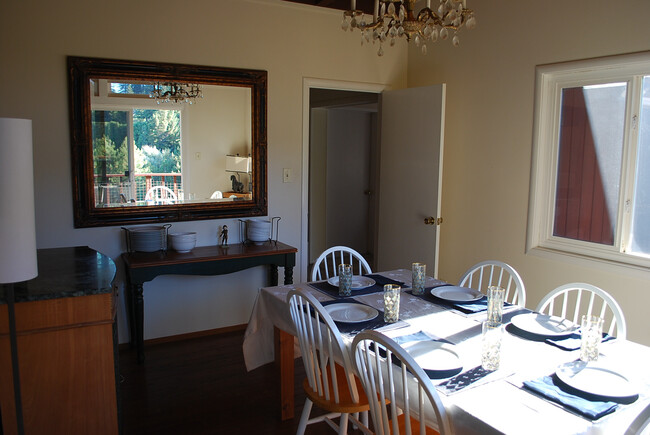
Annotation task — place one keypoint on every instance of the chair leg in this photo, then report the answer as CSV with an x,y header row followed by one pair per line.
x,y
304,418
343,424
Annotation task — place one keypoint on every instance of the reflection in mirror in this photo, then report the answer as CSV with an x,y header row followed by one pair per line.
x,y
149,151
156,142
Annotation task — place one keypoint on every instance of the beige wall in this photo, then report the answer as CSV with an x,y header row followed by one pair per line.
x,y
489,120
289,41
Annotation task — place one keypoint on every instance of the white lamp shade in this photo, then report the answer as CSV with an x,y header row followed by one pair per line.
x,y
17,227
238,164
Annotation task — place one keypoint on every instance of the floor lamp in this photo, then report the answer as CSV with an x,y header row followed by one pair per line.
x,y
17,228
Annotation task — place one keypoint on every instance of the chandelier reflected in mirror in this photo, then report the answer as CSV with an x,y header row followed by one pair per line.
x,y
165,92
393,19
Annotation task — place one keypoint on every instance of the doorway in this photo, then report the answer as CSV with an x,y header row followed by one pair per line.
x,y
341,155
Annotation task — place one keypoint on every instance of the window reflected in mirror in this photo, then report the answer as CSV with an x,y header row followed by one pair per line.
x,y
149,149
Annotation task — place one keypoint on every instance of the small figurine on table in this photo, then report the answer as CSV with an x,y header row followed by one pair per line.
x,y
224,235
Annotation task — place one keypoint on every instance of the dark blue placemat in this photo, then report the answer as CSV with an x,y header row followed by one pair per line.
x,y
463,380
467,308
333,291
355,328
549,387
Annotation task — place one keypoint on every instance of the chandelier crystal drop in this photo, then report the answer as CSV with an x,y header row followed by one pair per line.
x,y
166,92
396,18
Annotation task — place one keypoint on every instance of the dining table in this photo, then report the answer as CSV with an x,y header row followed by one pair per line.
x,y
529,393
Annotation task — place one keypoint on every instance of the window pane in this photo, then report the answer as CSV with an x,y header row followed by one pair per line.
x,y
589,162
640,233
131,88
157,136
110,156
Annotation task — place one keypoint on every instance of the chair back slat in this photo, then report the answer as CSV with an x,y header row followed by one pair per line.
x,y
326,265
492,272
582,298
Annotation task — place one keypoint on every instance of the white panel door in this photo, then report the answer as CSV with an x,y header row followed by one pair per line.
x,y
412,131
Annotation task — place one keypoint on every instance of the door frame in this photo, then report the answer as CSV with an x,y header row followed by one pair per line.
x,y
307,84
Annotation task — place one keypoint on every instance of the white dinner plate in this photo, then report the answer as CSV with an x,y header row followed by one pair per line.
x,y
348,312
454,293
435,357
595,378
358,282
544,325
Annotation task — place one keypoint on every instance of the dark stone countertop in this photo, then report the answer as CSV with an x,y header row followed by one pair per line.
x,y
66,272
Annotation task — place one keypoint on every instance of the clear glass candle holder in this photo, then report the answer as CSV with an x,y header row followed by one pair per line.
x,y
345,280
419,278
495,296
491,345
591,334
391,303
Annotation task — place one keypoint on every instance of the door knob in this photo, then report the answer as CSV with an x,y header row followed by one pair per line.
x,y
432,221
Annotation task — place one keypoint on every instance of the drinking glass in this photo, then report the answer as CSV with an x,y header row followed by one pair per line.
x,y
419,277
391,303
495,295
345,280
491,345
591,335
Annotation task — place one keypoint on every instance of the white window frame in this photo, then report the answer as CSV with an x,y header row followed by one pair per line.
x,y
550,79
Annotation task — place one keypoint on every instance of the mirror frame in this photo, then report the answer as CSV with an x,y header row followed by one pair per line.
x,y
82,69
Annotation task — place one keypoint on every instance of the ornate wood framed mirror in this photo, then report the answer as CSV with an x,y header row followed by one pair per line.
x,y
162,142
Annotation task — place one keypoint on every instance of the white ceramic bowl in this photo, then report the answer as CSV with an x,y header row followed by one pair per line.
x,y
258,230
182,242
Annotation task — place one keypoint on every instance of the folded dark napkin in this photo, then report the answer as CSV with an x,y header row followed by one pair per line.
x,y
571,342
467,308
355,328
548,387
333,291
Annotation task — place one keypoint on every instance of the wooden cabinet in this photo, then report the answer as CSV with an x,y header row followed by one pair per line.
x,y
66,354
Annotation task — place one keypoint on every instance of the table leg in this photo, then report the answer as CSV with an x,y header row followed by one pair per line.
x,y
138,308
288,275
274,275
284,361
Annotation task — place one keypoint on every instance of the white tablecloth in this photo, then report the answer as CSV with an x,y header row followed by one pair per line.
x,y
497,404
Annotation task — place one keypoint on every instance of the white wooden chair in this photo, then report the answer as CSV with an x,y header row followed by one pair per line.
x,y
160,193
330,382
414,405
326,265
581,298
641,424
492,272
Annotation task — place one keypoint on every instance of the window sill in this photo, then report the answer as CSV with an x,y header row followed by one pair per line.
x,y
629,265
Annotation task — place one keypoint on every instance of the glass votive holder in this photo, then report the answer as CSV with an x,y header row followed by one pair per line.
x,y
419,278
491,345
591,334
495,296
345,280
391,303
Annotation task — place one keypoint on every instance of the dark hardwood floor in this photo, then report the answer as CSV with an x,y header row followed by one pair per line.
x,y
201,386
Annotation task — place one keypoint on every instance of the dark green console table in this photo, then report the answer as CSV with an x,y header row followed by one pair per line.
x,y
202,260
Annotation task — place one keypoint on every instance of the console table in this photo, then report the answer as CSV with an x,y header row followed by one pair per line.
x,y
202,260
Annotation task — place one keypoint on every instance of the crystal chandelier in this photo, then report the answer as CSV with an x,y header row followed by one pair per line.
x,y
396,18
165,92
